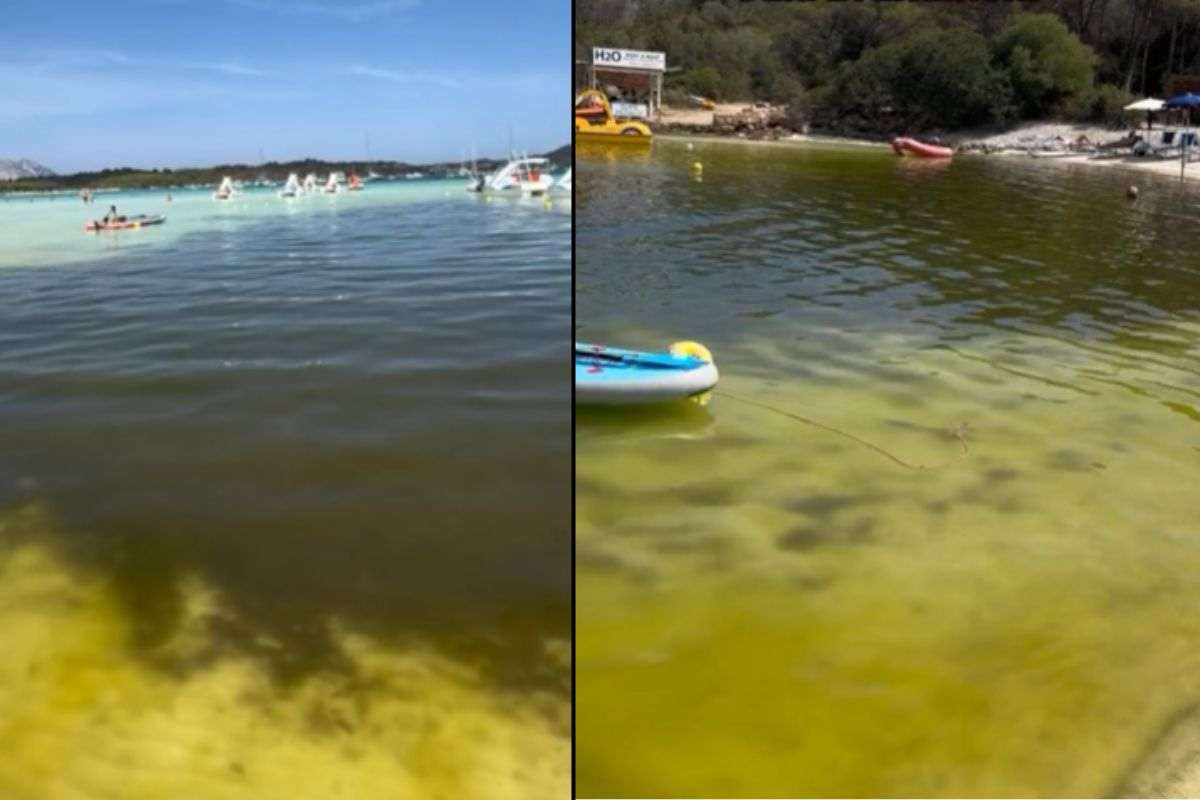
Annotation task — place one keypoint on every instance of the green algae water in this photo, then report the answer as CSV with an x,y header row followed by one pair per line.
x,y
936,533
284,497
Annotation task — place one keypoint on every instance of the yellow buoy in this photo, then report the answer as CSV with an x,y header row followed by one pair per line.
x,y
697,166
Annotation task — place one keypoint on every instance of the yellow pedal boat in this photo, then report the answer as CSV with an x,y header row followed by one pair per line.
x,y
594,121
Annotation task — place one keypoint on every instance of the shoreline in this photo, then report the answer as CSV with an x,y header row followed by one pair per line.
x,y
1160,168
795,138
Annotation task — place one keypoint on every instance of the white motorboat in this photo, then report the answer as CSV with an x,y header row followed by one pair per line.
x,y
563,184
519,177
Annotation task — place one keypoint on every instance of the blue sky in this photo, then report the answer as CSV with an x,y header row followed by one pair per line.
x,y
170,83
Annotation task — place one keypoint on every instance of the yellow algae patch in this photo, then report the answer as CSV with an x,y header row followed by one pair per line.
x,y
778,610
84,715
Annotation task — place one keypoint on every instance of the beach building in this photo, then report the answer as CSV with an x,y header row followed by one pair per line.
x,y
632,79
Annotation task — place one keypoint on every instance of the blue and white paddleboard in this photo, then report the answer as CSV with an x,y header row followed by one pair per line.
x,y
609,376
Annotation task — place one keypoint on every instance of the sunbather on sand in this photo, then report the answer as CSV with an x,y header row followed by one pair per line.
x,y
1128,140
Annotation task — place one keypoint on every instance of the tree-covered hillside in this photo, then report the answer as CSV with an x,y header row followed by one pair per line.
x,y
129,178
882,66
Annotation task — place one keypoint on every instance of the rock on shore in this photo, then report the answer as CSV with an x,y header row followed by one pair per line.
x,y
1037,136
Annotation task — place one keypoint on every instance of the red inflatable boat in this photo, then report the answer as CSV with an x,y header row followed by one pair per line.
x,y
906,146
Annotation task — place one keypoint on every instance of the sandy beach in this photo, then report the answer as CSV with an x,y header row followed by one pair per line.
x,y
1048,139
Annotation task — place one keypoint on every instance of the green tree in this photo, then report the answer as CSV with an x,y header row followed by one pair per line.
x,y
1045,62
704,81
931,78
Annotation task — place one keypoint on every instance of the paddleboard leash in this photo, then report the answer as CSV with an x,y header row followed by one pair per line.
x,y
959,433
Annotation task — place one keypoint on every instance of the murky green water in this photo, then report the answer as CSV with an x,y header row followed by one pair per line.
x,y
958,553
284,498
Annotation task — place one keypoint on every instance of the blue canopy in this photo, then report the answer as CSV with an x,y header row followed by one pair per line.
x,y
1188,100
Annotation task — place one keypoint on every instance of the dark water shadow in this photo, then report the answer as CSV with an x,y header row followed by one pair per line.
x,y
354,491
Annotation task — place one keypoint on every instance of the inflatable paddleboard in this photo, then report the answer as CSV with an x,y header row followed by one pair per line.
x,y
609,376
129,223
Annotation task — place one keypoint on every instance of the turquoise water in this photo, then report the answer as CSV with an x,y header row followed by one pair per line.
x,y
284,497
48,230
935,533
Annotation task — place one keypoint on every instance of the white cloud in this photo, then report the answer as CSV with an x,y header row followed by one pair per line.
x,y
226,67
406,76
60,60
512,82
351,11
26,96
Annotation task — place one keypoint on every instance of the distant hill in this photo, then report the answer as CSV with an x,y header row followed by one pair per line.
x,y
560,157
24,168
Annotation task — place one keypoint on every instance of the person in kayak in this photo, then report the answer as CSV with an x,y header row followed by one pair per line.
x,y
111,216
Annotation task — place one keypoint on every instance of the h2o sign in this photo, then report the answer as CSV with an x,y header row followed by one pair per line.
x,y
630,59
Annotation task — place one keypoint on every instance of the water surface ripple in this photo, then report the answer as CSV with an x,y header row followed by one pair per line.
x,y
974,574
327,443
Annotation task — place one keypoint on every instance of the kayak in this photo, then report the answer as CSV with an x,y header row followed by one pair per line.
x,y
905,145
129,223
610,376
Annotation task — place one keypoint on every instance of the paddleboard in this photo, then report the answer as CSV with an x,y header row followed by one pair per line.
x,y
611,376
129,223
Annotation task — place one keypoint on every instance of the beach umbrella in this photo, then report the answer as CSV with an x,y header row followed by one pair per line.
x,y
1187,101
1149,106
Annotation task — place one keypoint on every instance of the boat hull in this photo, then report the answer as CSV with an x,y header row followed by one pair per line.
x,y
612,377
130,224
615,137
906,146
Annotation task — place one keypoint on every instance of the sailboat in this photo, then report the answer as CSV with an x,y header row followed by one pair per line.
x,y
334,184
310,183
292,188
475,180
225,190
355,184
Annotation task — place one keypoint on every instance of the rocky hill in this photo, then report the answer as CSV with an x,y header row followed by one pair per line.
x,y
562,157
23,168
